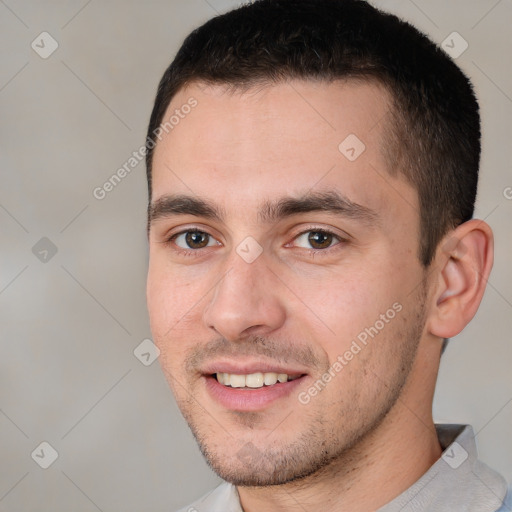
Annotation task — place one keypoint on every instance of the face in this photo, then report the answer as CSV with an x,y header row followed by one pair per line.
x,y
284,288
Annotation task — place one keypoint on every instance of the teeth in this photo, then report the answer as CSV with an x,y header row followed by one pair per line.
x,y
237,381
223,378
253,380
269,378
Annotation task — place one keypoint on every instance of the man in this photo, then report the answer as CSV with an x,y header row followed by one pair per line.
x,y
312,170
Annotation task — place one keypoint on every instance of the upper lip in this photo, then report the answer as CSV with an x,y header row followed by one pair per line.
x,y
248,367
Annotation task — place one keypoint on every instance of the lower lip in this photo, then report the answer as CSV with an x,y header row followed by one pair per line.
x,y
248,399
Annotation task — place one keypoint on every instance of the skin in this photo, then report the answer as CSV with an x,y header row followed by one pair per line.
x,y
371,426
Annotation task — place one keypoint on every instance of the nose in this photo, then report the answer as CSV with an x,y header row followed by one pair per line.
x,y
245,301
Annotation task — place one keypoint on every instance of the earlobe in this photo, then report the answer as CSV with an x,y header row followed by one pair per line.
x,y
463,263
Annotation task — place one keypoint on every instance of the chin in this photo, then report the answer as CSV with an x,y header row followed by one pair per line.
x,y
250,467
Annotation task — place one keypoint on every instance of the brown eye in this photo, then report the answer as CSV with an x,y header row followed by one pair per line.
x,y
197,239
193,239
320,239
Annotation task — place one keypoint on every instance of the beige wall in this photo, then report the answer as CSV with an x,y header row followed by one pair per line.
x,y
69,325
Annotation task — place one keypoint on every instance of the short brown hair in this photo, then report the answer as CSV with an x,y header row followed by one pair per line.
x,y
434,135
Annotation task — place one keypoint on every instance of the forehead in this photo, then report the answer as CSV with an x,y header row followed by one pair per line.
x,y
241,148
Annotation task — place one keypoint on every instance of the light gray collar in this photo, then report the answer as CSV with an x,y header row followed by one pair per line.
x,y
457,481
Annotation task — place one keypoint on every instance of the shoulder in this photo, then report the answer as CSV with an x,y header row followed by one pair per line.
x,y
223,498
507,502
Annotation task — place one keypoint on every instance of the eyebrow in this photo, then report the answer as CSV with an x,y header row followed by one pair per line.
x,y
271,211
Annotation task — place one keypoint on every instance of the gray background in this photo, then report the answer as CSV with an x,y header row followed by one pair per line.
x,y
71,321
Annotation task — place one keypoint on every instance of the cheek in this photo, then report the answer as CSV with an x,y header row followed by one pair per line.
x,y
341,300
175,298
340,306
170,298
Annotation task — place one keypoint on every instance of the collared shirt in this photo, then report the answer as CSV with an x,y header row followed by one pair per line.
x,y
457,482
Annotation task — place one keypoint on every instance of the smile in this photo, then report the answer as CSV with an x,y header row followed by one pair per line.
x,y
254,391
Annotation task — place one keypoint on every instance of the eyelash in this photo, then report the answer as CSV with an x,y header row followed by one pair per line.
x,y
312,252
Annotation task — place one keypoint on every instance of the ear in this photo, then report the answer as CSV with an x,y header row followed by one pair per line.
x,y
461,267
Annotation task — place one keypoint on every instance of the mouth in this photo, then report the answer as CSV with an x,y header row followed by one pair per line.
x,y
253,391
253,380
